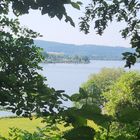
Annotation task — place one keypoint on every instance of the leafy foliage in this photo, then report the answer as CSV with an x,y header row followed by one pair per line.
x,y
96,85
103,12
54,8
22,88
83,132
40,134
123,93
118,115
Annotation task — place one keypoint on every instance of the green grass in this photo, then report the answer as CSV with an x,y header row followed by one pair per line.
x,y
22,123
29,125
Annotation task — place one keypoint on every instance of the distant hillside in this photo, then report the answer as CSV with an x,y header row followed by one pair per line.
x,y
92,51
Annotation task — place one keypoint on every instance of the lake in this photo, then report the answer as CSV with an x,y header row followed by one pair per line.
x,y
69,77
6,114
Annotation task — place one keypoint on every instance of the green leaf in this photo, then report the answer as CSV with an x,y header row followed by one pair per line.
x,y
75,5
59,16
93,112
19,112
80,133
76,97
128,114
69,19
74,118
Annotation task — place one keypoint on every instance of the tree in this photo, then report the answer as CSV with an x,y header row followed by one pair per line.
x,y
122,102
118,115
90,101
22,88
102,12
97,84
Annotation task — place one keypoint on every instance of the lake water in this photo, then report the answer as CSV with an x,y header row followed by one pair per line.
x,y
69,77
6,114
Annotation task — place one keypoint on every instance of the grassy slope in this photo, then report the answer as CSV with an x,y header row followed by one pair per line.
x,y
29,125
22,123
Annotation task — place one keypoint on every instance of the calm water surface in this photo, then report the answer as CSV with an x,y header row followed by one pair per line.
x,y
69,77
6,114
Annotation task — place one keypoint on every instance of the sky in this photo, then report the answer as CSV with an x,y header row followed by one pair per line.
x,y
59,31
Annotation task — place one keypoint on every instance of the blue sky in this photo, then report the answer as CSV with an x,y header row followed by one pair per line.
x,y
59,31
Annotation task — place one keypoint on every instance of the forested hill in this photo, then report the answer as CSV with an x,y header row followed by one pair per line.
x,y
92,51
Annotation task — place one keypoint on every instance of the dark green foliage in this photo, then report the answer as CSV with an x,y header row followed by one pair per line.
x,y
22,89
113,105
39,134
80,133
117,115
93,112
102,12
54,8
72,116
130,58
127,113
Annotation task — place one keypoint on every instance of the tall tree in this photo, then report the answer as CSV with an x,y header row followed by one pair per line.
x,y
122,102
118,118
97,84
22,88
